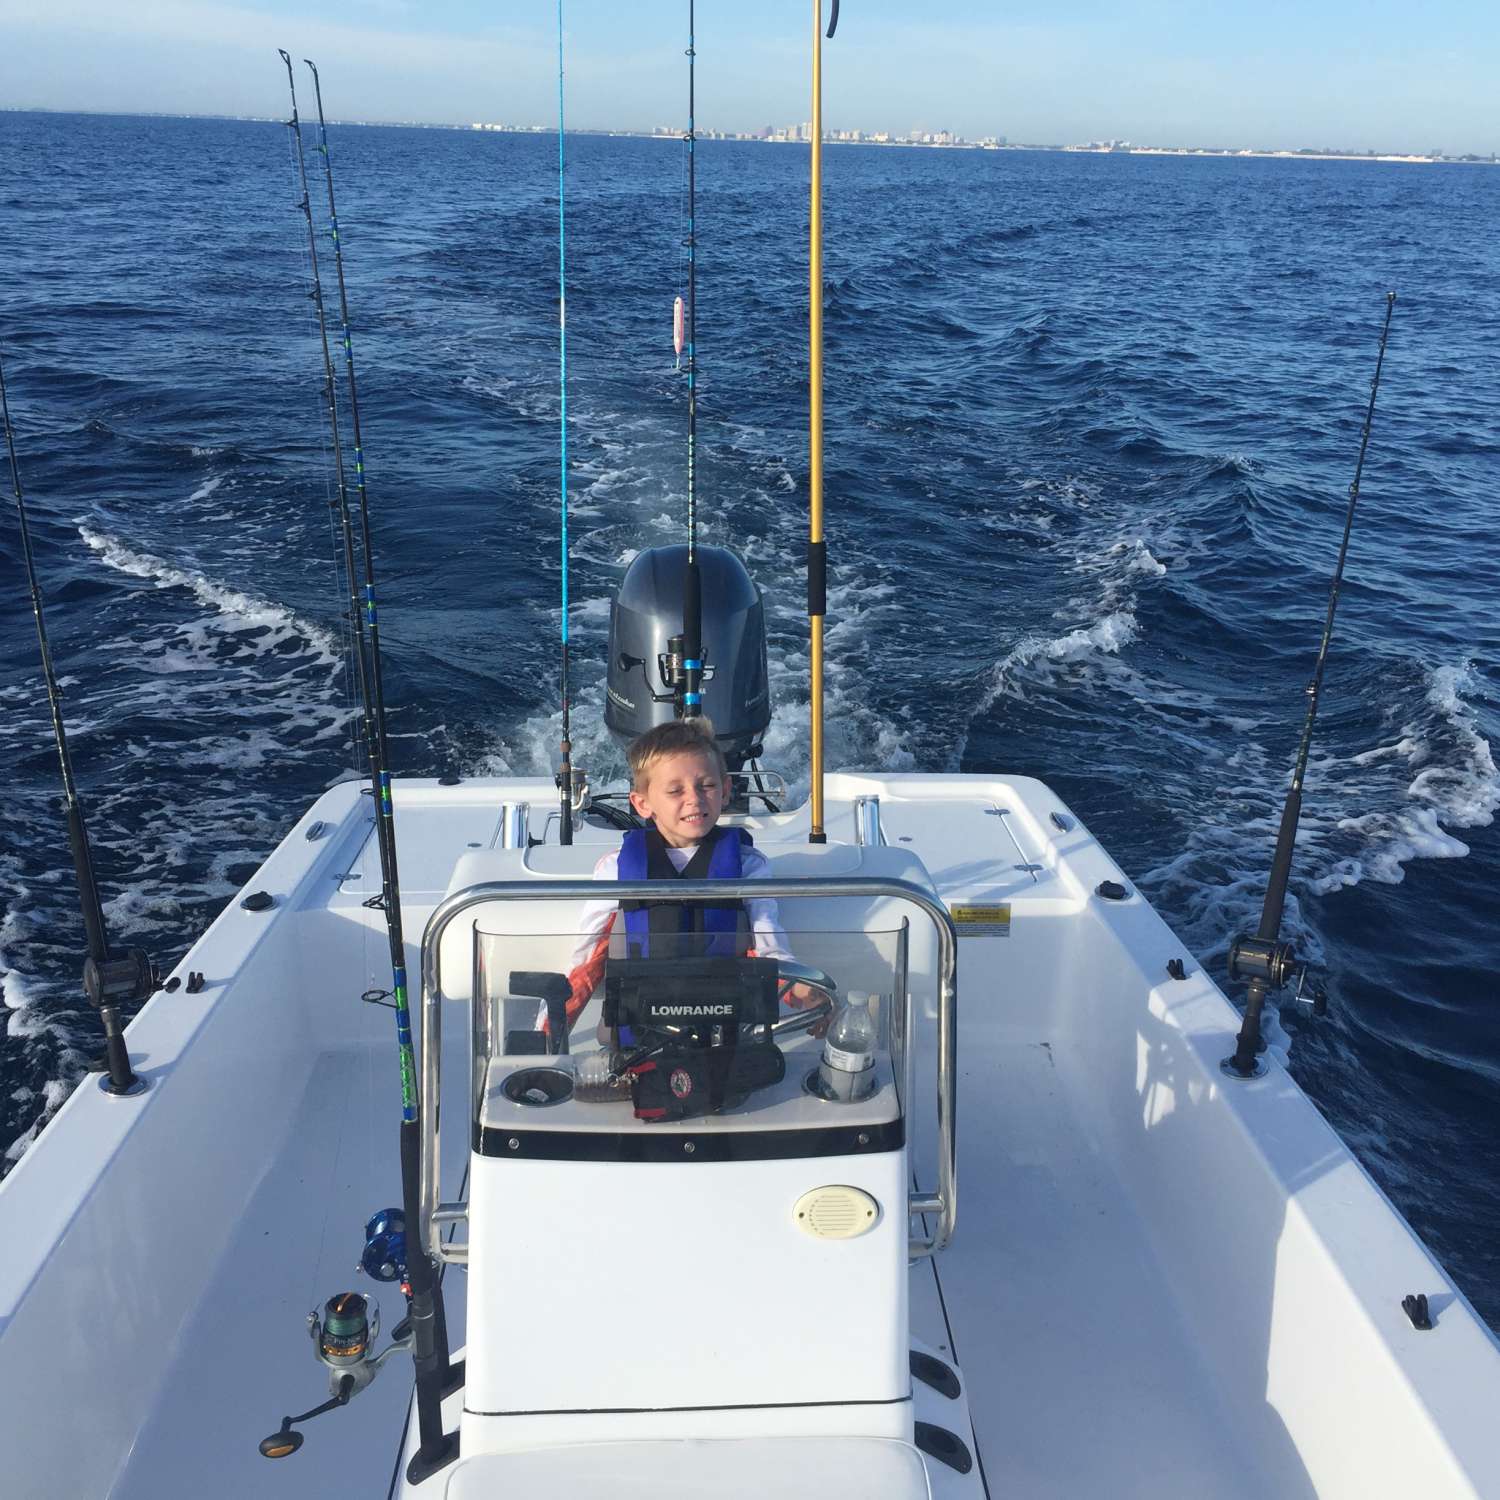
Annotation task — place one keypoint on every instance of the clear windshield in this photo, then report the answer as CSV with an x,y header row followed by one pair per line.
x,y
650,1025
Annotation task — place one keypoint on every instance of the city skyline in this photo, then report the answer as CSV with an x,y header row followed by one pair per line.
x,y
801,134
1366,75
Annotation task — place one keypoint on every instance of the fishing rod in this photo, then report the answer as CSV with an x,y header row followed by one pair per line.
x,y
1264,960
111,978
692,588
817,553
361,595
330,399
428,1328
565,774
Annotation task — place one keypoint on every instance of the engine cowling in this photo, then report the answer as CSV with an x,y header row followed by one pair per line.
x,y
647,613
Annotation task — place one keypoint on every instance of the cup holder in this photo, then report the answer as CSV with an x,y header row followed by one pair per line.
x,y
538,1088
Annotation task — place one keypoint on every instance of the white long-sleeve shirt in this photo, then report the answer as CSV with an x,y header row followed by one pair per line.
x,y
597,921
765,923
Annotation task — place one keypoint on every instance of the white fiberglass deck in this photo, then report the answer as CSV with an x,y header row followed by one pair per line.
x,y
1085,1373
1161,1282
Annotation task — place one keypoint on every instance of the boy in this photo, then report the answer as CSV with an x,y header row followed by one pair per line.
x,y
679,784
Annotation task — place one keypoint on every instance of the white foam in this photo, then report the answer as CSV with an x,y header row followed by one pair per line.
x,y
1111,634
207,488
53,1095
591,610
246,611
1456,786
1032,659
17,990
1366,817
1136,557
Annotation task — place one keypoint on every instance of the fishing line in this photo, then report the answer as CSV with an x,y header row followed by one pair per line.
x,y
110,979
565,775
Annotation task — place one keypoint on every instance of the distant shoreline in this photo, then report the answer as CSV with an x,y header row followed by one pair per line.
x,y
1218,152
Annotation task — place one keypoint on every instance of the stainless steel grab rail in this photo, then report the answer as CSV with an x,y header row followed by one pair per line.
x,y
943,1204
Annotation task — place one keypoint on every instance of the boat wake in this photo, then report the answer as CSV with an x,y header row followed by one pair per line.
x,y
1395,776
271,625
1365,818
188,692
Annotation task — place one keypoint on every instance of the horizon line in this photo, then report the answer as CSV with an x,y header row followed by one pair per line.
x,y
1094,148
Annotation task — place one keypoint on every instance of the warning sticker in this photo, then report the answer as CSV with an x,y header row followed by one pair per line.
x,y
984,919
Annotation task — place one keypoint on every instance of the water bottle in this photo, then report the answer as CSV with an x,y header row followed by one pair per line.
x,y
848,1068
596,1082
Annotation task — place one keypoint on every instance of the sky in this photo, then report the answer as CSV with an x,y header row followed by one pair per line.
x,y
1358,74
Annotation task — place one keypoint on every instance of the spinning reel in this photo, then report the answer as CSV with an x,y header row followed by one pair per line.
x,y
344,1334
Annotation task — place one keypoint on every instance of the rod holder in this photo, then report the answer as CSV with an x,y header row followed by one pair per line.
x,y
515,824
867,830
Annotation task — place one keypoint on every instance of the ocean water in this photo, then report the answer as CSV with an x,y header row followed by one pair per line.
x,y
1090,425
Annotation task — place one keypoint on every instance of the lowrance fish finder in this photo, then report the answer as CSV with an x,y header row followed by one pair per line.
x,y
695,1033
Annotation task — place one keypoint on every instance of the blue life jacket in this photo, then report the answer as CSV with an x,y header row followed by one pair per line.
x,y
724,925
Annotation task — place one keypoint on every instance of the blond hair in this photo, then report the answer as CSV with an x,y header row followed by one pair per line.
x,y
675,737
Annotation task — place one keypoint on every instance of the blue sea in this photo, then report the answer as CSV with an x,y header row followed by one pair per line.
x,y
1091,420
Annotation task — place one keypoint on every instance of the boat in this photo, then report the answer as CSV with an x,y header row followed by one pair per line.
x,y
1168,1275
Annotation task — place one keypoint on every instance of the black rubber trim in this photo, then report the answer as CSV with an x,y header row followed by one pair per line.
x,y
657,1144
641,1411
817,578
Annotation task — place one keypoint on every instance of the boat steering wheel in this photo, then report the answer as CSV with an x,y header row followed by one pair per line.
x,y
789,973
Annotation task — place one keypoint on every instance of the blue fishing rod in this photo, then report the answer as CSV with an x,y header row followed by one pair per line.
x,y
1264,960
692,585
565,774
426,1323
112,977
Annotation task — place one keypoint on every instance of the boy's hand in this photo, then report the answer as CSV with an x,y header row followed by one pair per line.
x,y
804,997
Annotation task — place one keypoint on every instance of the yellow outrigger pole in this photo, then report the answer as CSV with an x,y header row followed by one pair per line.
x,y
817,565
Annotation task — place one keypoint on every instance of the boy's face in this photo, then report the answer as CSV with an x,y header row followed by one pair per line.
x,y
684,794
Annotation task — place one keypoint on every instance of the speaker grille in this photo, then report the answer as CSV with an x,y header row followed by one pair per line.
x,y
836,1213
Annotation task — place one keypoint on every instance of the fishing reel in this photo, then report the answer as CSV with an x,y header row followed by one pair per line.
x,y
343,1340
384,1256
1276,965
671,668
344,1333
126,977
577,789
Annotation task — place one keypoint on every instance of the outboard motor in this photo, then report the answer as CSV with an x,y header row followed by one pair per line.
x,y
645,649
